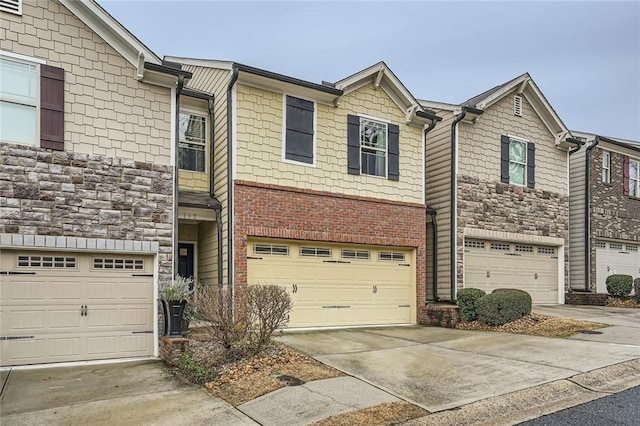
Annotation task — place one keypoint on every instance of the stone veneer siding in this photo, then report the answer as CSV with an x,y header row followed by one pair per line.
x,y
54,193
515,209
613,215
264,210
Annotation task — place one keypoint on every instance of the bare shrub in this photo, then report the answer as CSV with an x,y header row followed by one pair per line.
x,y
268,308
247,329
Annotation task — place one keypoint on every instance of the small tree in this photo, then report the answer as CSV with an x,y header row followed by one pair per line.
x,y
268,308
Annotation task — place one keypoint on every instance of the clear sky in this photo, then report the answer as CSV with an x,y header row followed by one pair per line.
x,y
584,56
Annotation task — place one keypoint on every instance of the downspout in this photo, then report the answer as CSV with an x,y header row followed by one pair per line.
x,y
232,82
587,219
218,207
176,172
433,220
454,192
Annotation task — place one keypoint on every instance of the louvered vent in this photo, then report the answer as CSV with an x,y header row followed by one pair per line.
x,y
517,105
11,6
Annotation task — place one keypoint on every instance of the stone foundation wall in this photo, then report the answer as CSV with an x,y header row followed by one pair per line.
x,y
64,194
515,209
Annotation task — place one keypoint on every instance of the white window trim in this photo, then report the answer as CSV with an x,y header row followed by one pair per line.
x,y
526,163
30,61
207,136
386,150
606,167
284,131
636,180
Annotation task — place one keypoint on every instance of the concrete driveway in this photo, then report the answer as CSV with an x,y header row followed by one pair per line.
x,y
440,368
131,393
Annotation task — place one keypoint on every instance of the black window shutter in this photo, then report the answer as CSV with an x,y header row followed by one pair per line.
x,y
504,164
394,152
51,107
531,165
353,144
299,138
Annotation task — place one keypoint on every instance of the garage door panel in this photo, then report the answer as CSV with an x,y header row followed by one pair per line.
x,y
490,265
42,309
335,290
615,258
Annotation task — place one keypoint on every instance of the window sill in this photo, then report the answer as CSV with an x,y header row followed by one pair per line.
x,y
299,163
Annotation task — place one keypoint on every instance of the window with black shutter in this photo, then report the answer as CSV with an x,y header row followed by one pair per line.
x,y
51,107
299,130
517,162
373,147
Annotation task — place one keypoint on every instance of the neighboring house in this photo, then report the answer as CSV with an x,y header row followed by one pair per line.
x,y
319,187
497,189
605,211
86,184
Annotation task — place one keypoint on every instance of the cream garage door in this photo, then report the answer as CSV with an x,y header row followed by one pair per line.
x,y
497,264
337,285
70,307
615,258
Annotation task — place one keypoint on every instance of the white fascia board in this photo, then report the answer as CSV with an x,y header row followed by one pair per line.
x,y
540,99
440,106
495,97
277,86
110,30
204,63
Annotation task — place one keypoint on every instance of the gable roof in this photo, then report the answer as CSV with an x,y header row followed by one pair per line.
x,y
523,85
382,77
327,93
591,137
124,42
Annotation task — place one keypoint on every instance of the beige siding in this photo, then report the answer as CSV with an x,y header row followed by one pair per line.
x,y
207,253
214,81
438,181
577,194
479,145
188,232
260,146
107,110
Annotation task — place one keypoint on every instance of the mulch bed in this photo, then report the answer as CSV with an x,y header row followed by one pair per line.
x,y
625,302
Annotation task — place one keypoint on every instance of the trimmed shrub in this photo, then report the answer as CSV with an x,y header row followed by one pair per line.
x,y
503,306
466,299
636,288
522,293
619,285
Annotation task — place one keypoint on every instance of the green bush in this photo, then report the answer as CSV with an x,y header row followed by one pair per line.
x,y
466,299
636,287
619,285
503,306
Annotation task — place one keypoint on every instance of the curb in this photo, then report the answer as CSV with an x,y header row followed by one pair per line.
x,y
527,404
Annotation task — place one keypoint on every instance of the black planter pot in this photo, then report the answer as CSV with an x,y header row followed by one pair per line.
x,y
173,311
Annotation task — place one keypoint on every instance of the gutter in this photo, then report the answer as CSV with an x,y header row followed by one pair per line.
x,y
587,219
230,254
176,172
431,212
454,192
283,78
579,144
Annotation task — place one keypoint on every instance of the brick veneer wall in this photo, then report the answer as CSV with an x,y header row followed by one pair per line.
x,y
78,195
613,214
290,213
510,208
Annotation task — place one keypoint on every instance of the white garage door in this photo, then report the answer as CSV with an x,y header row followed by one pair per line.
x,y
497,264
70,307
615,258
337,285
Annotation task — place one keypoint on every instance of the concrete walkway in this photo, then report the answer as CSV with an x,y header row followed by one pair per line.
x,y
131,393
476,372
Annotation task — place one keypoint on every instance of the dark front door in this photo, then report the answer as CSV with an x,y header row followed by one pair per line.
x,y
185,260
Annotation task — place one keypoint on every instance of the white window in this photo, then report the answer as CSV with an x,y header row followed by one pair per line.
x,y
19,101
355,254
391,256
193,142
517,162
606,167
634,178
315,251
373,147
271,249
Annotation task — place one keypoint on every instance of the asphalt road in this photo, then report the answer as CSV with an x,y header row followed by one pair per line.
x,y
619,409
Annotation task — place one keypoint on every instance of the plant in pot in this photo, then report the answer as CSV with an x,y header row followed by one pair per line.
x,y
174,297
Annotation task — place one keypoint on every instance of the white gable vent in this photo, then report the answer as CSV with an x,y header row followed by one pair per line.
x,y
11,6
517,105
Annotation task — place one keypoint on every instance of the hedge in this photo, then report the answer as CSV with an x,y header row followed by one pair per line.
x,y
467,299
619,285
503,306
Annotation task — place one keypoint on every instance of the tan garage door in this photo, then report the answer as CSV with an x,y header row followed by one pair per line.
x,y
616,258
337,285
70,307
497,264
